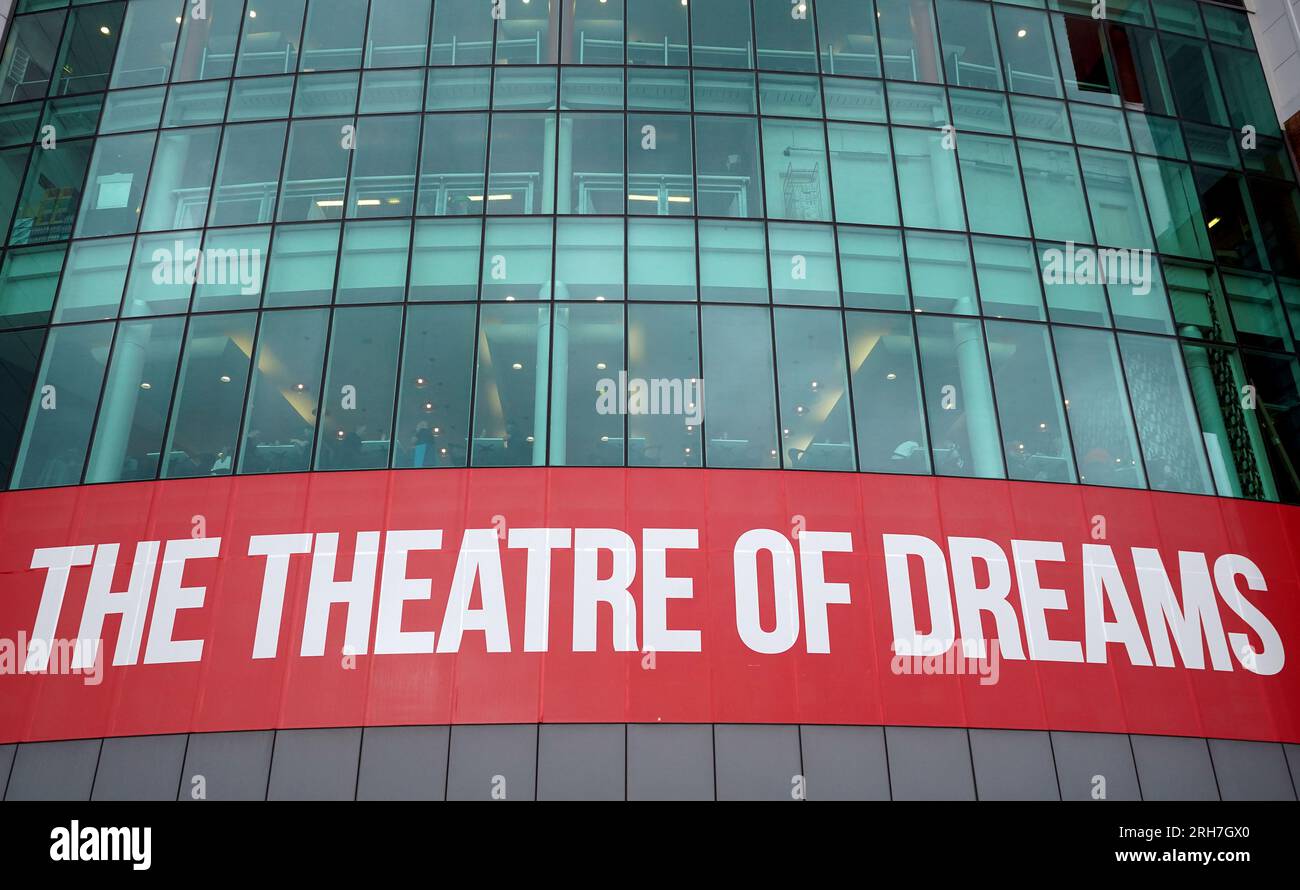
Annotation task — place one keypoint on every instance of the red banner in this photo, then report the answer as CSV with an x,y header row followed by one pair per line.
x,y
610,595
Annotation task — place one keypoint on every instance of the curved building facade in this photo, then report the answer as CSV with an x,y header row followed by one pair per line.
x,y
643,398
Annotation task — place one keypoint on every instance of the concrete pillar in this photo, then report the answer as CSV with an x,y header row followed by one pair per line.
x,y
976,394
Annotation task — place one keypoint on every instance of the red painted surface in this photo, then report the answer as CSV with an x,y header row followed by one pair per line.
x,y
727,681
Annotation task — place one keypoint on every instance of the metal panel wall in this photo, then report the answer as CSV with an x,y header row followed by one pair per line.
x,y
650,762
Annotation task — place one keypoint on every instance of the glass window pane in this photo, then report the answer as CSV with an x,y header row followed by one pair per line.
x,y
1027,52
978,111
786,38
659,178
1171,441
462,33
1075,293
148,41
909,40
589,259
210,397
318,95
445,259
795,166
657,32
720,34
163,274
455,89
927,180
315,171
180,179
520,180
873,274
1238,459
28,61
1030,415
863,175
386,92
66,395
18,123
433,406
1009,281
959,398
280,421
1142,303
398,33
593,32
1056,203
1101,425
970,55
372,267
510,398
89,43
132,110
804,270
1115,199
93,280
272,36
137,397
19,354
303,260
991,181
239,258
47,205
1086,65
517,257
587,411
739,395
1256,312
663,351
383,167
1143,81
528,32
728,157
854,100
591,154
1195,86
1040,118
360,385
940,267
733,262
1276,382
195,103
28,279
247,175
331,39
453,164
725,91
603,88
260,98
1175,210
886,394
816,421
208,37
847,31
661,260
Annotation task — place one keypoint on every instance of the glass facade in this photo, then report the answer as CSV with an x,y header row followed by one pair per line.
x,y
958,237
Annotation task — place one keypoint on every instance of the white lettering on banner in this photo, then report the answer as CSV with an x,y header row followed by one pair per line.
x,y
772,575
